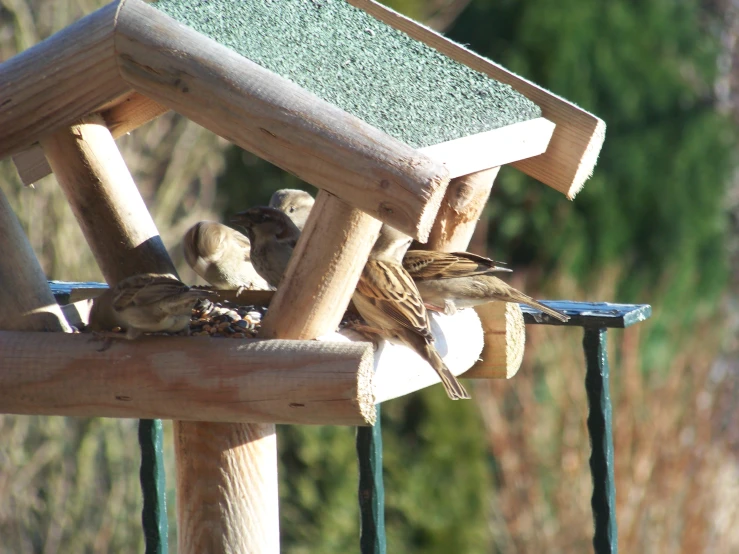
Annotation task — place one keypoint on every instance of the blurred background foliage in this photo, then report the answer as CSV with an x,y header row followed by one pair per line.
x,y
656,224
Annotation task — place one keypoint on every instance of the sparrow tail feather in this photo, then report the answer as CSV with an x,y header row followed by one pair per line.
x,y
556,314
452,386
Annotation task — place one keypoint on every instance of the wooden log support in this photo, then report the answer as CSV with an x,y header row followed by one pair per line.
x,y
131,112
105,201
334,381
80,76
277,120
325,268
578,136
187,378
26,302
503,325
505,341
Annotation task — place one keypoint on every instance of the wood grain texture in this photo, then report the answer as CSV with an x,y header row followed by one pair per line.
x,y
278,120
503,326
232,510
59,80
460,211
505,341
131,112
187,378
578,136
26,302
323,271
493,148
104,199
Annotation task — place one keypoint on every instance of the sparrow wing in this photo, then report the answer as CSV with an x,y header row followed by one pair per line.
x,y
429,264
389,287
143,290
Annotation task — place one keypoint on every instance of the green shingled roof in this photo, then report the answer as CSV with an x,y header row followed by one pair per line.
x,y
350,59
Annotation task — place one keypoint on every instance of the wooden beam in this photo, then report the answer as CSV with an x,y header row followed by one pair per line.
x,y
187,378
278,120
504,330
105,201
493,148
131,112
26,302
333,381
54,83
505,341
462,207
578,136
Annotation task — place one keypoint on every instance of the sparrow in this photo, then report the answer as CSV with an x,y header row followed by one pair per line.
x,y
221,256
273,236
448,282
429,264
388,300
145,303
297,204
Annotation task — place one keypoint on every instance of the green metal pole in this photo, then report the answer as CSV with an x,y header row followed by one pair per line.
x,y
154,514
605,540
371,490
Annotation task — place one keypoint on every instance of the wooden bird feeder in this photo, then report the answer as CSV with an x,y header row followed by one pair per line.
x,y
391,121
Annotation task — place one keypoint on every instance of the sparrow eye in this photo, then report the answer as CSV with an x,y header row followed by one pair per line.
x,y
292,209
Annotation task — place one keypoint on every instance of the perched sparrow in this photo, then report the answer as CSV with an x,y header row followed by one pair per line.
x,y
221,256
429,264
388,300
448,281
295,203
273,236
145,303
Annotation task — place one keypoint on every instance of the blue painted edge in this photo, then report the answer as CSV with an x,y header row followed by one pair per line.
x,y
589,314
582,314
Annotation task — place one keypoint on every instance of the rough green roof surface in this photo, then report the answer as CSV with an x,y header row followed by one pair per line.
x,y
350,59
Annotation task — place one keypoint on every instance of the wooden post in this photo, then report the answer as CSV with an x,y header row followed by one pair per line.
x,y
323,272
105,201
26,303
217,512
505,333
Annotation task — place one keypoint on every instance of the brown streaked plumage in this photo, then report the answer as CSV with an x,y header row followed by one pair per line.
x,y
221,256
273,236
429,264
449,295
388,300
145,303
297,204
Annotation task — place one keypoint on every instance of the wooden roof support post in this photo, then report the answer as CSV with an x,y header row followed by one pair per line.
x,y
502,322
105,201
26,302
234,466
